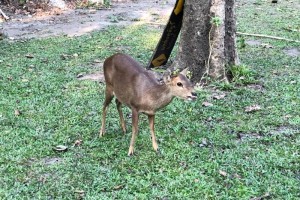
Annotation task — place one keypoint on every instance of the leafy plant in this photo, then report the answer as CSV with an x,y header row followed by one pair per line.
x,y
242,74
216,20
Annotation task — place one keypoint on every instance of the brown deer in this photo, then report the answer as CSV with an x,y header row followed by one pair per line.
x,y
137,88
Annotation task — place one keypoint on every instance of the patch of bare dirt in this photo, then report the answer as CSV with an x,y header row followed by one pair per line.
x,y
253,42
293,52
76,22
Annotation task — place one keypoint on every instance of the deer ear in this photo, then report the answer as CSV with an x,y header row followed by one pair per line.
x,y
184,72
167,76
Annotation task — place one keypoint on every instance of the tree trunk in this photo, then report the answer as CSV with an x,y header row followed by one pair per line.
x,y
207,44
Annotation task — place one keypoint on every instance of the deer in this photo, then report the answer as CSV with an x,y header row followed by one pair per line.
x,y
137,88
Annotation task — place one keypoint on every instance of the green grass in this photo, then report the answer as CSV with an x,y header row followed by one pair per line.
x,y
218,152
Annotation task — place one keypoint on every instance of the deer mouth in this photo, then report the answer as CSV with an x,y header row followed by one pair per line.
x,y
191,98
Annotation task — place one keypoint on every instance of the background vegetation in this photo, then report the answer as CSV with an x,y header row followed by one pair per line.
x,y
237,141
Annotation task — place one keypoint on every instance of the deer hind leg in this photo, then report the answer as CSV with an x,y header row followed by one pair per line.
x,y
151,124
122,121
108,97
135,119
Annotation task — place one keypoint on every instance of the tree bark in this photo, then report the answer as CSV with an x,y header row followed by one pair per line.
x,y
207,44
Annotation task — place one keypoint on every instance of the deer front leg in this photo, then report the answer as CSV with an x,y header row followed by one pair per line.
x,y
135,119
151,124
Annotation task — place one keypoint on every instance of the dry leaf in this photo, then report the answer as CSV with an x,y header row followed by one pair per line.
x,y
267,46
236,176
119,38
17,112
118,187
79,191
44,60
218,97
77,143
223,173
60,148
267,195
204,143
79,76
97,61
207,104
65,56
252,108
29,56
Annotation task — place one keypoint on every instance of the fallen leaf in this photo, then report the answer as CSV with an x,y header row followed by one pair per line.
x,y
275,72
236,176
267,46
79,76
220,96
204,143
17,112
209,119
79,191
29,56
252,108
65,56
223,173
267,195
118,187
97,61
119,38
60,148
207,104
24,80
184,165
44,60
77,143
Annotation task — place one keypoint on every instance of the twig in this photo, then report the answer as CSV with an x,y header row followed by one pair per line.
x,y
268,36
4,15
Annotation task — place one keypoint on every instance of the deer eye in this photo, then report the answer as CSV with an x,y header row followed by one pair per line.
x,y
179,84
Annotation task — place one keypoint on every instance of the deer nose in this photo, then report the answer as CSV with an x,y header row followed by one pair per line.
x,y
194,94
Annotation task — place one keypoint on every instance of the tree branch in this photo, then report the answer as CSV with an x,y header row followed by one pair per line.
x,y
268,36
4,15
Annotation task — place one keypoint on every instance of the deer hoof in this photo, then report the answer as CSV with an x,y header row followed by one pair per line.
x,y
155,147
130,152
101,133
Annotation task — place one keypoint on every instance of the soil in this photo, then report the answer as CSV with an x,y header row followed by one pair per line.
x,y
76,22
293,52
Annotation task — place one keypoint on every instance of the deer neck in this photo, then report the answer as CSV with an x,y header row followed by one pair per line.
x,y
162,97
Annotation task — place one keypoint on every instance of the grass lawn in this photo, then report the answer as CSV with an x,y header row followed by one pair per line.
x,y
213,152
